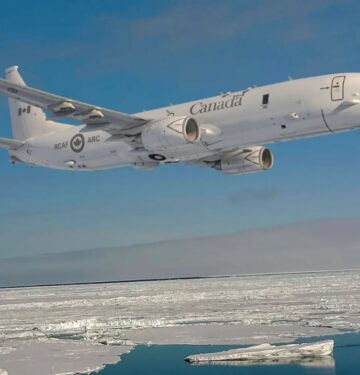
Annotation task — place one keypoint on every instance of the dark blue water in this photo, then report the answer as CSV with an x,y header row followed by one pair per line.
x,y
169,360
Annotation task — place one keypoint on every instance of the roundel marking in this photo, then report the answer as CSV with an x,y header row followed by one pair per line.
x,y
77,143
157,157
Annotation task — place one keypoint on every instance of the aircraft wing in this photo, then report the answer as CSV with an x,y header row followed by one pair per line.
x,y
10,144
61,107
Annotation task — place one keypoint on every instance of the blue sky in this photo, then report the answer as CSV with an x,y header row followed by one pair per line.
x,y
135,55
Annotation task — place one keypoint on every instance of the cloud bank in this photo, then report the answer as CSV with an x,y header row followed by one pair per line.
x,y
321,245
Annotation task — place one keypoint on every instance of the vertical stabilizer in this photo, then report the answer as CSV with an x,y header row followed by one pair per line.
x,y
26,120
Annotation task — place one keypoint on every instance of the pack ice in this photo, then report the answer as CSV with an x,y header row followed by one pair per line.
x,y
74,328
268,351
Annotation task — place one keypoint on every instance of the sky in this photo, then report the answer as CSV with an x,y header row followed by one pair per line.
x,y
135,55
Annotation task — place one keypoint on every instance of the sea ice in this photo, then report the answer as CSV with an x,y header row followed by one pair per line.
x,y
325,362
6,350
52,357
268,352
56,321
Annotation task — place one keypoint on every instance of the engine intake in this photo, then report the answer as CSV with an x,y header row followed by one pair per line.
x,y
246,160
170,132
191,130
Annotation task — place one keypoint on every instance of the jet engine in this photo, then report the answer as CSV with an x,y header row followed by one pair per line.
x,y
171,132
246,160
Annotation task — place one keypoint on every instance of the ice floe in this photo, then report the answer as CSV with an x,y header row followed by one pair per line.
x,y
268,352
326,362
59,357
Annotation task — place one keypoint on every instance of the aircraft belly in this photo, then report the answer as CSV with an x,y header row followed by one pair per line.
x,y
79,152
101,157
340,119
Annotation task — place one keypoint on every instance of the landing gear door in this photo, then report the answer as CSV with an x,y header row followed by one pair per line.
x,y
337,88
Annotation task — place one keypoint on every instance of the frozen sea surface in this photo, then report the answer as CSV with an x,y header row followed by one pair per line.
x,y
90,325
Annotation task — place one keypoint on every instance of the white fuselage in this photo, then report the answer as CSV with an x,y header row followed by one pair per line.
x,y
257,116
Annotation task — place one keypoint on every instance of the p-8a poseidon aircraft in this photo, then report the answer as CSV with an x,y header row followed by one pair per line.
x,y
228,132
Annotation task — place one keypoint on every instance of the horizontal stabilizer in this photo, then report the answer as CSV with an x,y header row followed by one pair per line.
x,y
10,144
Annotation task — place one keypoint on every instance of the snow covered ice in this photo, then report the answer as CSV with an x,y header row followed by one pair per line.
x,y
64,325
322,362
268,351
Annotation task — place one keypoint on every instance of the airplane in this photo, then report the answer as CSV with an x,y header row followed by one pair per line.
x,y
229,132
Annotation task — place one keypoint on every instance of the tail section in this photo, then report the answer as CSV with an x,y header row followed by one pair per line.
x,y
26,120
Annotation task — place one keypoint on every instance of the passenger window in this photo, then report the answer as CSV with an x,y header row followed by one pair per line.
x,y
28,109
265,100
19,112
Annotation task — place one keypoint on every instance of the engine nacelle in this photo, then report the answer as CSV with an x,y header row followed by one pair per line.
x,y
171,132
246,160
